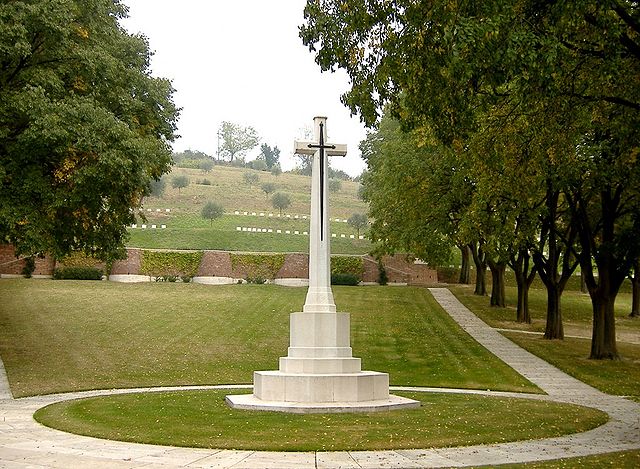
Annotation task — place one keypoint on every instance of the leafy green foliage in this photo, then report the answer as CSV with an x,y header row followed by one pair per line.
x,y
250,178
270,156
160,263
84,127
29,267
179,182
236,140
351,265
157,187
344,279
281,201
212,211
77,273
335,185
258,266
359,221
268,188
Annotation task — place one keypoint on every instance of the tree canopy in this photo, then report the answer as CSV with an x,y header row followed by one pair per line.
x,y
84,128
237,140
541,96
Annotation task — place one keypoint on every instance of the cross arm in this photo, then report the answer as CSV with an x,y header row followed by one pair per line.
x,y
305,148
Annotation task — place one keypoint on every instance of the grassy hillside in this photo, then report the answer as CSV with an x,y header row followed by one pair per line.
x,y
186,229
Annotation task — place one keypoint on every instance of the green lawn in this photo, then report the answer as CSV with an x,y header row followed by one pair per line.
x,y
202,419
73,335
190,231
186,229
570,355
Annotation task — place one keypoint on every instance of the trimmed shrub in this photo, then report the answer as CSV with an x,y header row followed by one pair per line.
x,y
165,264
353,265
29,267
383,278
256,266
77,273
344,279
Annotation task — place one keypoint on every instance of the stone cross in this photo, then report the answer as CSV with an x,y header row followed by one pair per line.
x,y
319,296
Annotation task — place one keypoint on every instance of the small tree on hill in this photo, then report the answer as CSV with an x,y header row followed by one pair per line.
x,y
276,170
359,221
250,178
236,140
335,185
212,211
156,187
178,182
206,165
268,188
281,201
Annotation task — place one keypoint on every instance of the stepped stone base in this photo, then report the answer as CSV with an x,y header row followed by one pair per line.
x,y
310,387
250,402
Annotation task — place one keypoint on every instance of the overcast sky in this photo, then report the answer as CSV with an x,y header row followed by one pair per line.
x,y
242,61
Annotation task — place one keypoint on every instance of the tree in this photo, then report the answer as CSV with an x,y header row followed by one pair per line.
x,y
635,292
574,63
178,182
157,187
358,221
212,211
250,178
276,170
281,201
236,140
271,156
335,185
206,165
84,127
268,188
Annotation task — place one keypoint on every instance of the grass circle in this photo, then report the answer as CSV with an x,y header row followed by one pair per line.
x,y
202,419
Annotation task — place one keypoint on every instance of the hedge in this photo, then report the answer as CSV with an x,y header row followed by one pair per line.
x,y
353,265
77,273
170,264
258,266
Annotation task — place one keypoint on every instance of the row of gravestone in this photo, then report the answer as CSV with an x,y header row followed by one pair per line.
x,y
304,233
295,217
144,227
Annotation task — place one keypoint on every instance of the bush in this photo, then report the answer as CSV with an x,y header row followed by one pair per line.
x,y
352,265
205,182
77,273
383,278
256,280
29,267
344,279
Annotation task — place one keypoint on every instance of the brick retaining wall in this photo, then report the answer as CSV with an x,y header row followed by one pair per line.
x,y
218,264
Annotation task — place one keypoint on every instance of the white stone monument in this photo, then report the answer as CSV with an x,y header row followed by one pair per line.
x,y
319,374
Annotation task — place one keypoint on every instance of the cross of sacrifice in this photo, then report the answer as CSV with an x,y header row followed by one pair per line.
x,y
318,151
319,296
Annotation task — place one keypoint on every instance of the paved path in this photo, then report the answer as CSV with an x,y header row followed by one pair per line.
x,y
24,443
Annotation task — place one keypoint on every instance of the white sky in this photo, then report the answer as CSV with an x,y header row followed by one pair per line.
x,y
242,61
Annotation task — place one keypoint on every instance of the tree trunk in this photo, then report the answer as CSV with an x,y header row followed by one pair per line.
x,y
480,260
603,340
635,296
465,269
524,279
554,329
497,283
635,290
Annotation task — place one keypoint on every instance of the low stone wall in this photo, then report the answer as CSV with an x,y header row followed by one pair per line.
x,y
216,268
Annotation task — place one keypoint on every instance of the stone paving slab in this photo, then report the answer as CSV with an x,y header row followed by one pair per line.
x,y
25,443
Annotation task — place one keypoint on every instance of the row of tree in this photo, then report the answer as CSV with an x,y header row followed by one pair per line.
x,y
510,130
